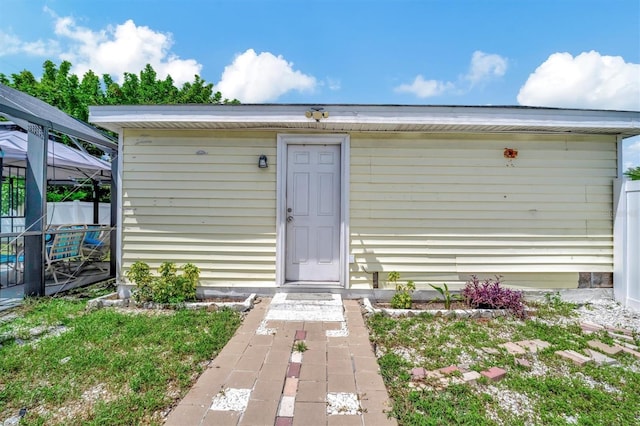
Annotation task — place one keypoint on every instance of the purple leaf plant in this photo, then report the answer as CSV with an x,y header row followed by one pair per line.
x,y
488,294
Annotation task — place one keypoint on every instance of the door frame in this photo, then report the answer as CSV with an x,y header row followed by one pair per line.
x,y
284,140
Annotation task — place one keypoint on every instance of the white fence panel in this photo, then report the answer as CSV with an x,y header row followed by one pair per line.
x,y
64,213
627,244
76,212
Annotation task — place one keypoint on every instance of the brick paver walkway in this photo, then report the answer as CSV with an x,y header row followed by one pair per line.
x,y
260,365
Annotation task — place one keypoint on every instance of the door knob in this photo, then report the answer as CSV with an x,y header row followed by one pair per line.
x,y
289,209
289,218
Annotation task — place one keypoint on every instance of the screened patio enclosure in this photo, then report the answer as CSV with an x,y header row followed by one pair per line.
x,y
34,254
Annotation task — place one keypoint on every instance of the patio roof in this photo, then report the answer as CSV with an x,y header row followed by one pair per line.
x,y
64,162
369,118
20,107
41,119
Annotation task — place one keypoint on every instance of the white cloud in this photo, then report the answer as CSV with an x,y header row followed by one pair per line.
x,y
124,48
634,147
589,80
13,45
483,67
631,152
425,88
333,84
256,78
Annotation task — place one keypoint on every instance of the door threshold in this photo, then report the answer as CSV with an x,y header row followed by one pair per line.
x,y
318,285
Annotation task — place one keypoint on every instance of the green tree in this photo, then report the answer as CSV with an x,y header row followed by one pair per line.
x,y
199,92
113,92
25,82
633,173
90,93
64,90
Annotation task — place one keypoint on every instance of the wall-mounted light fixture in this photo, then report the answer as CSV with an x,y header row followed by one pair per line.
x,y
316,113
262,162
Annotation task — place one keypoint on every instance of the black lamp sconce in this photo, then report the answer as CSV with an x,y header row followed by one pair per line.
x,y
262,162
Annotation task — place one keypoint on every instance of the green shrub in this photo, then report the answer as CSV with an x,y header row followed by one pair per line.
x,y
402,299
140,274
169,287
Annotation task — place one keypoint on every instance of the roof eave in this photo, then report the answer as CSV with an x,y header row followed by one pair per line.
x,y
369,118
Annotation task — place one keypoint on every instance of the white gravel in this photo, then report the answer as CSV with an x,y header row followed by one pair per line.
x,y
342,403
409,355
513,402
343,331
231,399
604,312
609,313
594,384
263,330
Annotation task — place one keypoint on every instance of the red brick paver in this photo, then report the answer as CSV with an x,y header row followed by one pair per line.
x,y
263,364
494,373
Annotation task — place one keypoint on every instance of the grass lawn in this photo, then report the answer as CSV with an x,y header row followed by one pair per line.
x,y
107,366
552,391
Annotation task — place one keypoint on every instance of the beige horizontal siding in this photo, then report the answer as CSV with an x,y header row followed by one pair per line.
x,y
438,208
215,209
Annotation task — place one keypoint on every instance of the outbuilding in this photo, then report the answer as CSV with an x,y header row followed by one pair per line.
x,y
337,196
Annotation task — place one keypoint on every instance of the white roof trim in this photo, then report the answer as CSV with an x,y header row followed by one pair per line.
x,y
369,118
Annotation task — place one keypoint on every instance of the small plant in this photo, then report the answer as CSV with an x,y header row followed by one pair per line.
x,y
402,298
447,297
554,306
168,287
488,294
300,346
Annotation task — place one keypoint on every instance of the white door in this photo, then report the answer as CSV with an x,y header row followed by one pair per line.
x,y
313,213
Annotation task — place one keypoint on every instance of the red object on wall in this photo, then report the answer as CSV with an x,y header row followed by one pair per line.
x,y
510,153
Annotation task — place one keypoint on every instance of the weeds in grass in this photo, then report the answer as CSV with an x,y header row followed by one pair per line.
x,y
300,346
135,365
554,306
553,392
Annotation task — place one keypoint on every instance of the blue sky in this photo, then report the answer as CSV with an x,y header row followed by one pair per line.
x,y
564,53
